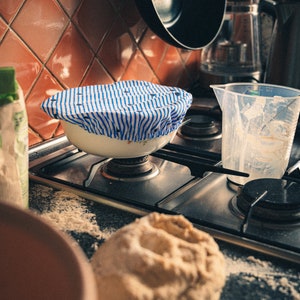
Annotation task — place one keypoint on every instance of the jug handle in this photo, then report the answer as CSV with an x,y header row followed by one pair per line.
x,y
280,67
268,7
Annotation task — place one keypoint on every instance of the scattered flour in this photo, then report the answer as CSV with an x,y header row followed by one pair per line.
x,y
69,212
256,270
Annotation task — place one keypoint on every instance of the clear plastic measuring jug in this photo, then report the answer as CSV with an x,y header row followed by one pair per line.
x,y
258,123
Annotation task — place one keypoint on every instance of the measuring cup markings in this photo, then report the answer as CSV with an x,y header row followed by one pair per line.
x,y
284,111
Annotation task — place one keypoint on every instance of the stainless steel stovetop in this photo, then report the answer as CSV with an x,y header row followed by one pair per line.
x,y
207,199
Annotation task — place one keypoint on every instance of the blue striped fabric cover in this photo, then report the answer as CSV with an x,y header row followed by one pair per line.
x,y
126,110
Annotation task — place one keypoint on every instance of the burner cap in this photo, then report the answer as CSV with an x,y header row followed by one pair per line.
x,y
199,127
130,169
271,199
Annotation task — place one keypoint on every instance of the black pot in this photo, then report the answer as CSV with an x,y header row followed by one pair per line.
x,y
187,24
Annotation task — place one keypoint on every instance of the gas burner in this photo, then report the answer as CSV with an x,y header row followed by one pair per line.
x,y
273,200
200,127
130,169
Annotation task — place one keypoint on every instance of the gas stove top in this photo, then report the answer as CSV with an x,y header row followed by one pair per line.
x,y
185,177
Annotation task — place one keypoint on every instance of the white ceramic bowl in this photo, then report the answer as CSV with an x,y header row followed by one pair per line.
x,y
109,147
39,262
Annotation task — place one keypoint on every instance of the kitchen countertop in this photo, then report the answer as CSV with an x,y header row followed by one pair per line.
x,y
250,275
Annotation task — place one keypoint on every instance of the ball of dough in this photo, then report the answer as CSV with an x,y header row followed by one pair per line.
x,y
157,257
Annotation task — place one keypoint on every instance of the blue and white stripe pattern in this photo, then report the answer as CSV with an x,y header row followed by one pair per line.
x,y
127,110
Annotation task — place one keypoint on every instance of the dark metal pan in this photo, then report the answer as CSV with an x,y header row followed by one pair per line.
x,y
188,24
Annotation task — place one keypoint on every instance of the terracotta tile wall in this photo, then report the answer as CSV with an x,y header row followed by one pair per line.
x,y
59,44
